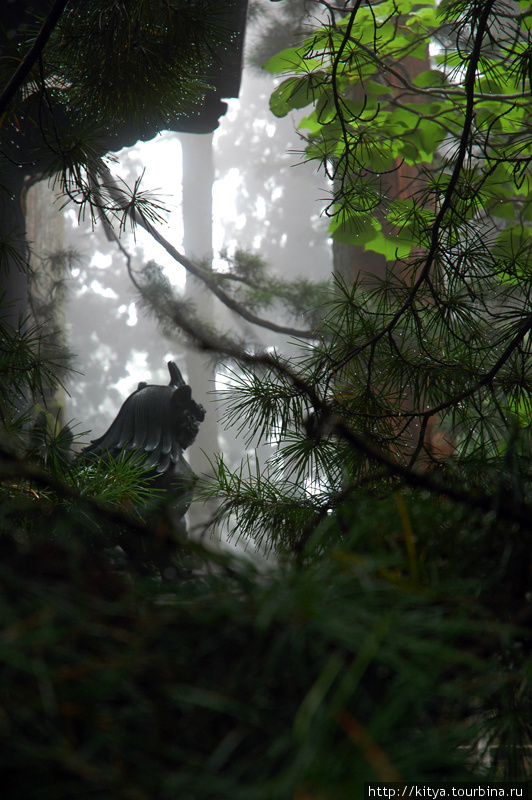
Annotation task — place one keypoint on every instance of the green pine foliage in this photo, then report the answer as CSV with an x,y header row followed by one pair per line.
x,y
297,683
421,375
249,282
30,362
156,53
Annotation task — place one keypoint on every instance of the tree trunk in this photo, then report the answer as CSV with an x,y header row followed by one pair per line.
x,y
198,178
13,248
45,227
351,260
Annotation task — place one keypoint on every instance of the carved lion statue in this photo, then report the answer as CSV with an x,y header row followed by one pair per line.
x,y
158,423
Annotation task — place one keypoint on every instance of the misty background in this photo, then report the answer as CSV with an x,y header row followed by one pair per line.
x,y
245,187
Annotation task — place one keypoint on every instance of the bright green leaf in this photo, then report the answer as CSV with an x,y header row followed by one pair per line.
x,y
356,228
372,87
292,59
392,247
295,93
431,77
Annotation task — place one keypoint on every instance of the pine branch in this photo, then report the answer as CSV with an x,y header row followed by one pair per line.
x,y
139,217
449,192
474,498
32,56
13,466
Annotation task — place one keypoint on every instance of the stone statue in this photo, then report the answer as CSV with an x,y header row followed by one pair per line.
x,y
158,423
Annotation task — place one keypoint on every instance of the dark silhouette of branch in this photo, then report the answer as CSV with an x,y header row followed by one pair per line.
x,y
12,466
118,195
475,498
226,299
487,378
33,54
469,83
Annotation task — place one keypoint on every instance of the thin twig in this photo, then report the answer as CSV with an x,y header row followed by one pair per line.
x,y
115,191
469,83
